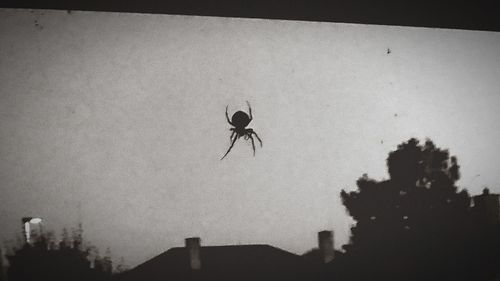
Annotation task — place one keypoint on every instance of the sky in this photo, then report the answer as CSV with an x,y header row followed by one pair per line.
x,y
117,121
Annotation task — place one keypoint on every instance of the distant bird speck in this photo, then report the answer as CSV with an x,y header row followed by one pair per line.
x,y
388,51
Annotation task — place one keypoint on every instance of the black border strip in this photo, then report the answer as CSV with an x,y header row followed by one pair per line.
x,y
472,14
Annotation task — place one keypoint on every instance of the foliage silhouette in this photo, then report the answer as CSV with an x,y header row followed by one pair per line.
x,y
44,259
417,225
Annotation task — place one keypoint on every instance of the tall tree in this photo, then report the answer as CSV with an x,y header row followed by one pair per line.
x,y
414,226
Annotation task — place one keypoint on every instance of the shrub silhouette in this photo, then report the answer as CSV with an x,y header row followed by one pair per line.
x,y
417,225
68,260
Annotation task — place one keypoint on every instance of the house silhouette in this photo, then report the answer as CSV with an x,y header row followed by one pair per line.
x,y
232,262
195,262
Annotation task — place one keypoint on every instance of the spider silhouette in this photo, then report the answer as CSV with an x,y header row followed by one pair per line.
x,y
240,121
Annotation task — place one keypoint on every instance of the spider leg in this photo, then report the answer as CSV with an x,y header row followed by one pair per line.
x,y
232,143
232,134
253,143
250,111
227,117
257,136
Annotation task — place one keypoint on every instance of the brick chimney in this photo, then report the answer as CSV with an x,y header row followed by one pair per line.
x,y
193,247
325,244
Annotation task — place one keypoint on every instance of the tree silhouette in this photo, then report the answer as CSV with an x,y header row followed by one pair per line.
x,y
44,259
415,226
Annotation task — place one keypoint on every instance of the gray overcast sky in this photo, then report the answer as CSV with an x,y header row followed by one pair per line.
x,y
124,115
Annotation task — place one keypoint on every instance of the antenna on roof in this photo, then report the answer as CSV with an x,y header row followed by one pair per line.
x,y
79,217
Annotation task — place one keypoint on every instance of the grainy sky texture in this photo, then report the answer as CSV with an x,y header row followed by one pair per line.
x,y
123,115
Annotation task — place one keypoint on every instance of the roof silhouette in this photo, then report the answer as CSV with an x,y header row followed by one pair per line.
x,y
238,262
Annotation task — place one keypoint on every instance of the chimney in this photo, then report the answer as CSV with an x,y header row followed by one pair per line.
x,y
325,243
487,207
27,231
193,247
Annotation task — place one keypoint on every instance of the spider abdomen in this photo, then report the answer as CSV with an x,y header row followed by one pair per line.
x,y
240,119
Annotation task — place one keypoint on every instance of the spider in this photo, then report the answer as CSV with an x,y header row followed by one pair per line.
x,y
240,121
